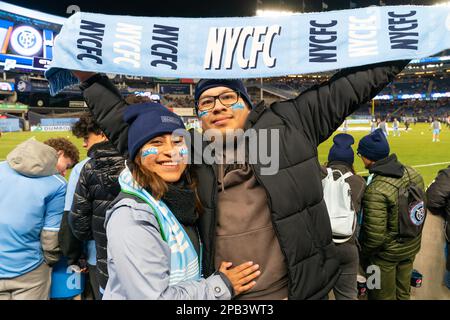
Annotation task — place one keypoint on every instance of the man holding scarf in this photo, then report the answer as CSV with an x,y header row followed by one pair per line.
x,y
280,221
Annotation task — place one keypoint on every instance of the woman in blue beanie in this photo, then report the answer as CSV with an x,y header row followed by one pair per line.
x,y
340,164
153,243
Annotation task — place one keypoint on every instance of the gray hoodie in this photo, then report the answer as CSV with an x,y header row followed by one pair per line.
x,y
33,159
139,260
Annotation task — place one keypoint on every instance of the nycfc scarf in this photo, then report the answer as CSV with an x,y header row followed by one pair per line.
x,y
184,261
245,47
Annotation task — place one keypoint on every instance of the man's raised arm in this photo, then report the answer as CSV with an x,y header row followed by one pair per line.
x,y
107,106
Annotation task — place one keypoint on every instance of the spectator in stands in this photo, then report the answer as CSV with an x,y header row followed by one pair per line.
x,y
292,238
97,186
31,207
384,242
438,197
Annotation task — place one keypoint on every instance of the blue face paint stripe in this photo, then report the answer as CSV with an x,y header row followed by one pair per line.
x,y
149,151
202,113
183,151
238,106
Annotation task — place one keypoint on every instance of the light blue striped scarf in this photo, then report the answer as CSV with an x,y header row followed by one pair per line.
x,y
184,261
251,47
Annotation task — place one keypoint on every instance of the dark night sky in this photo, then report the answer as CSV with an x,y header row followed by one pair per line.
x,y
182,8
193,8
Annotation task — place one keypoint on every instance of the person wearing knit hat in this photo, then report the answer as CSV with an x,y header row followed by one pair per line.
x,y
153,243
340,160
342,149
373,147
243,201
222,104
393,218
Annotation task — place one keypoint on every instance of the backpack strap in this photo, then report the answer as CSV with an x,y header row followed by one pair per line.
x,y
329,175
347,175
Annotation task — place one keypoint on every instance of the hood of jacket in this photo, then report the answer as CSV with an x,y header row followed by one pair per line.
x,y
33,159
388,167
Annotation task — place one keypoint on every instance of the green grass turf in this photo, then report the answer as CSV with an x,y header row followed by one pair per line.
x,y
412,148
9,140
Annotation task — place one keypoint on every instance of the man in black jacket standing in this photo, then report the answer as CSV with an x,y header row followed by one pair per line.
x,y
293,225
73,249
96,188
438,195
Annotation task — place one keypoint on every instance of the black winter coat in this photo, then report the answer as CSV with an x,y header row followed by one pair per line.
x,y
97,187
294,193
438,197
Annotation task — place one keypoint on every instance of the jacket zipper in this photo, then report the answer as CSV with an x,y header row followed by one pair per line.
x,y
213,225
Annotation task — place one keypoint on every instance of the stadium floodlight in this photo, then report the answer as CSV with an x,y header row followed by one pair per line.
x,y
273,13
445,3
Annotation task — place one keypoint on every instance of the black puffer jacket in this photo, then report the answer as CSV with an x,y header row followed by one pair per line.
x,y
294,193
438,196
96,188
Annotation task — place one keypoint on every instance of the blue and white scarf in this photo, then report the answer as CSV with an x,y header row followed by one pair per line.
x,y
250,47
184,261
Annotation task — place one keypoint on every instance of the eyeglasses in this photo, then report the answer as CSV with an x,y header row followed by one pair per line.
x,y
227,98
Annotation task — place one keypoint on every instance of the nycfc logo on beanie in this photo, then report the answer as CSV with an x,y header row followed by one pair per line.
x,y
167,119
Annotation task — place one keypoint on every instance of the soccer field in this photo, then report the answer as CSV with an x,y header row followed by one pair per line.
x,y
412,148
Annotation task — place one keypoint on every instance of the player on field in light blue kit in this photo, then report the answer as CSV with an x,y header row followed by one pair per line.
x,y
395,127
436,127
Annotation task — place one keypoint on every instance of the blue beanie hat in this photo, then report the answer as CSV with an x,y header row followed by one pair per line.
x,y
342,149
234,84
148,120
374,146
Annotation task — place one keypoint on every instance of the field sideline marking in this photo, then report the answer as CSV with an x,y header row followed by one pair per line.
x,y
417,166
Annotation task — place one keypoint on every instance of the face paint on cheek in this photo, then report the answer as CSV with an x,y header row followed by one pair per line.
x,y
183,151
238,106
201,114
149,151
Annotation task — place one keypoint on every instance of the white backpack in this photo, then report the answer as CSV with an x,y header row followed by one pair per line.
x,y
337,196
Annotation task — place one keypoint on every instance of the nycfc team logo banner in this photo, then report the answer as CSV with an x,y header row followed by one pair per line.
x,y
246,47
